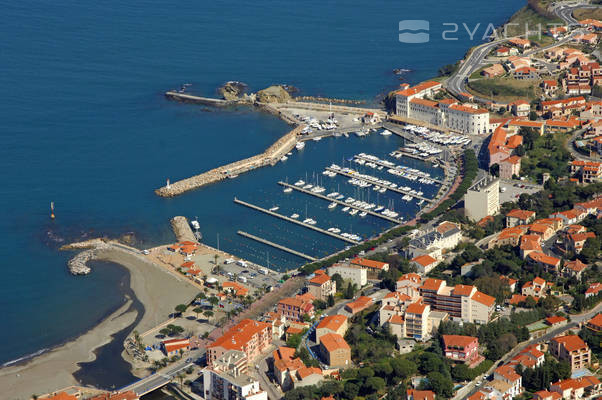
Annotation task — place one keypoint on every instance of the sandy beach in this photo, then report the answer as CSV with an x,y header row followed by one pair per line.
x,y
159,292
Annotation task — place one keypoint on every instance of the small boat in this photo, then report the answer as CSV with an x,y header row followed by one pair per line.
x,y
300,145
290,153
332,205
275,208
339,197
317,138
283,158
336,230
363,214
379,208
287,190
295,216
232,176
195,225
353,212
300,183
345,209
386,133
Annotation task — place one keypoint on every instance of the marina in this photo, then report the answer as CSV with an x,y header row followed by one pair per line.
x,y
390,165
340,202
348,172
294,221
276,245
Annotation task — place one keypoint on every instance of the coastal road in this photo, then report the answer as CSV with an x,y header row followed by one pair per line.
x,y
577,319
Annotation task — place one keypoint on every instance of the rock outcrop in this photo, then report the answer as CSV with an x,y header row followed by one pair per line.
x,y
273,94
232,90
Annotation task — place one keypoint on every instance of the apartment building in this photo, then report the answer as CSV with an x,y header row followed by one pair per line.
x,y
293,308
250,337
332,324
227,379
350,273
572,349
482,199
373,268
335,351
434,242
321,286
416,321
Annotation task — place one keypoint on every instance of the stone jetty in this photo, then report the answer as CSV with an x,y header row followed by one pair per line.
x,y
269,157
182,230
78,264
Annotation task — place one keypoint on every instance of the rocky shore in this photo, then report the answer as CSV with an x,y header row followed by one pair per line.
x,y
182,230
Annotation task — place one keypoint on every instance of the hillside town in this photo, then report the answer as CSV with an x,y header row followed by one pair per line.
x,y
493,295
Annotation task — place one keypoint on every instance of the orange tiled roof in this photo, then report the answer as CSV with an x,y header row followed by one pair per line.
x,y
507,372
432,284
520,214
540,257
411,276
333,341
462,290
360,303
364,262
483,299
458,340
570,342
596,321
332,322
555,319
416,308
307,371
424,260
62,396
319,279
239,335
576,265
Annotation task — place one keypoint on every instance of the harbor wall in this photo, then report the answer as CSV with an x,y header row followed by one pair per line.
x,y
182,230
269,157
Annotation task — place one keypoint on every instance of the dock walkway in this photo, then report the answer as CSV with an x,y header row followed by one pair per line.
x,y
321,196
294,221
276,245
375,183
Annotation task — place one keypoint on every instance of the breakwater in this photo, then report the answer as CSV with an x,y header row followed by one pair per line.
x,y
329,100
269,157
182,230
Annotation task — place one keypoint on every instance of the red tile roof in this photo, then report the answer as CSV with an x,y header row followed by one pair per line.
x,y
483,299
333,341
237,337
523,215
319,279
458,340
416,308
424,260
364,262
432,284
570,342
332,322
544,258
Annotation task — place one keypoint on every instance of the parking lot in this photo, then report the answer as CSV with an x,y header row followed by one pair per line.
x,y
250,274
510,190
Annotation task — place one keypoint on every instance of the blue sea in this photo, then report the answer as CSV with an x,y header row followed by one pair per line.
x,y
84,124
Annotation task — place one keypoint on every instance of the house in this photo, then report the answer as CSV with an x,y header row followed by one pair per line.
x,y
593,290
509,236
575,389
235,288
526,73
506,374
331,324
510,282
529,357
172,347
413,394
595,324
529,244
575,241
546,395
587,171
519,217
285,366
549,87
308,376
574,268
535,288
557,31
424,263
570,217
510,167
360,304
520,43
335,350
293,308
549,263
372,267
493,71
350,273
587,38
572,349
248,336
520,108
410,279
321,286
461,348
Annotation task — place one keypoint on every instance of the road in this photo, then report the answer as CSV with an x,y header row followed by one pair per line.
x,y
570,146
471,387
260,372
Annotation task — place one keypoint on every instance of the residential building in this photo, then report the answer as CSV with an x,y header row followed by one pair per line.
x,y
372,267
331,324
529,244
576,241
520,108
250,337
595,324
570,217
593,289
575,389
227,379
556,321
461,348
321,286
416,321
434,242
424,263
549,263
350,273
520,43
574,269
293,308
572,349
510,167
285,366
535,288
587,171
482,199
546,395
506,374
413,394
335,350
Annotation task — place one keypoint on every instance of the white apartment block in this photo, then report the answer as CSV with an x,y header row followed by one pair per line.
x,y
228,379
354,274
410,103
482,199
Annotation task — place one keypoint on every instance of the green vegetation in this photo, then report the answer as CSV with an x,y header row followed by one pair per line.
x,y
551,371
449,69
545,153
171,330
471,166
530,18
505,88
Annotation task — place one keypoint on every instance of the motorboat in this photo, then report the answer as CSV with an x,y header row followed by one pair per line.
x,y
287,190
283,158
275,208
295,216
363,214
300,145
345,209
332,205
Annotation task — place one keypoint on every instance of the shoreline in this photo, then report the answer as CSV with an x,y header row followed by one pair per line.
x,y
59,366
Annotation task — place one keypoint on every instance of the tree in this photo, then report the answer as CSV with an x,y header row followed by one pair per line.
x,y
495,170
403,368
375,383
461,372
330,300
351,390
165,332
439,384
366,372
591,249
208,314
293,341
180,308
213,300
533,116
197,311
306,318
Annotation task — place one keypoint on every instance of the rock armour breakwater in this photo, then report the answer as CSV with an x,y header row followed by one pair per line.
x,y
181,229
78,264
269,157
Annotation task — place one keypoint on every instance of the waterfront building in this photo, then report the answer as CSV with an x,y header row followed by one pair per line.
x,y
250,337
173,347
331,324
351,273
434,242
482,198
226,379
335,351
572,349
321,286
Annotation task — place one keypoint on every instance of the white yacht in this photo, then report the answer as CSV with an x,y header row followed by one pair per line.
x,y
275,208
195,224
353,212
300,145
287,190
317,138
386,133
300,183
295,216
363,214
283,158
332,205
345,209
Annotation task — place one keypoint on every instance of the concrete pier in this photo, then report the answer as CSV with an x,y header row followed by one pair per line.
x,y
188,98
276,245
294,221
375,183
269,157
342,203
